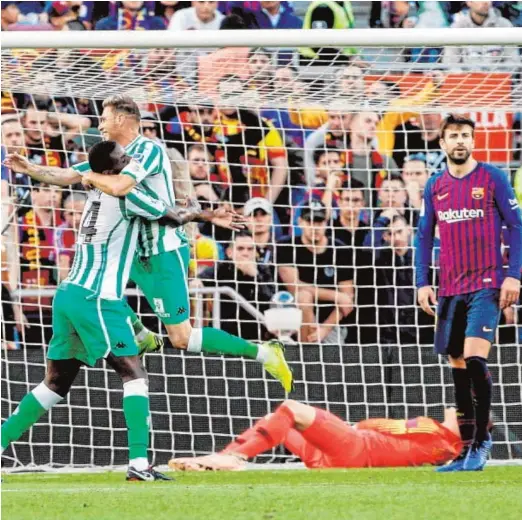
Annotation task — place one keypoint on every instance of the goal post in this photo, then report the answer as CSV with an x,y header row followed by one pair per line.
x,y
301,117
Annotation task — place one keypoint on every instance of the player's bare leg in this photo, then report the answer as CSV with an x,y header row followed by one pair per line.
x,y
476,352
55,386
137,416
216,341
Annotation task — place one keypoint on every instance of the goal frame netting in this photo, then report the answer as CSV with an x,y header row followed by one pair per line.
x,y
199,403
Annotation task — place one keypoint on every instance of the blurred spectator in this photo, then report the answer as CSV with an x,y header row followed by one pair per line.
x,y
12,134
512,11
274,15
80,145
37,261
334,133
261,226
201,16
400,320
206,183
67,232
10,14
41,147
392,201
253,281
420,135
480,14
391,15
166,10
327,15
364,162
75,16
195,124
261,71
250,150
351,225
319,275
131,16
415,174
149,126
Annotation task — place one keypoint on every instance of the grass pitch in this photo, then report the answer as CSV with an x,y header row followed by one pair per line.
x,y
387,494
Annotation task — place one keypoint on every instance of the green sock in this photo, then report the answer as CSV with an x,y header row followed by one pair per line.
x,y
216,341
136,412
137,326
28,412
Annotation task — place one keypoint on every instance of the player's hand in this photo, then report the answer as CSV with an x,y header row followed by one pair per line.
x,y
18,163
426,298
228,219
86,183
509,292
509,315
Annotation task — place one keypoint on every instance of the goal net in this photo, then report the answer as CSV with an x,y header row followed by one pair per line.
x,y
332,140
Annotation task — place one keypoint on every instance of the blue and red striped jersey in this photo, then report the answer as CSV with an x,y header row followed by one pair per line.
x,y
470,212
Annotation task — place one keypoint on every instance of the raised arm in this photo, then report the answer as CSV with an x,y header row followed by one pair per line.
x,y
46,174
140,204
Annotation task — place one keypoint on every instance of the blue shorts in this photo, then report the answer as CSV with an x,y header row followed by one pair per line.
x,y
471,315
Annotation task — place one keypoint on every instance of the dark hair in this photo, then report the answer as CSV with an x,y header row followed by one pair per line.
x,y
259,50
229,77
394,177
353,184
108,157
125,104
457,120
319,152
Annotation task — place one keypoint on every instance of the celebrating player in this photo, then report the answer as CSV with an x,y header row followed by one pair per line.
x,y
90,320
322,440
469,201
160,269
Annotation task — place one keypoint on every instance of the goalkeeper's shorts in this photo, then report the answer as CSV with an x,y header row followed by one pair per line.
x,y
471,315
87,328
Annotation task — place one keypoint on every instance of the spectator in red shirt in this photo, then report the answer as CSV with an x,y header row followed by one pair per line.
x,y
37,261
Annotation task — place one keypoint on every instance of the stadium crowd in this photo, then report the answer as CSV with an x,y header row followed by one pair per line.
x,y
333,196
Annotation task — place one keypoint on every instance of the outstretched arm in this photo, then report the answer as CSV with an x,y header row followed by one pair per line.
x,y
192,212
47,174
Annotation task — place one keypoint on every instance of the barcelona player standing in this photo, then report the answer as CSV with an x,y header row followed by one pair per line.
x,y
469,201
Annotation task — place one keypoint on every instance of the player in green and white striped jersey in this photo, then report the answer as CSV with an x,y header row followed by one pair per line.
x,y
90,320
162,266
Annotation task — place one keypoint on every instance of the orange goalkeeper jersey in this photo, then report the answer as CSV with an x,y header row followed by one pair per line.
x,y
408,442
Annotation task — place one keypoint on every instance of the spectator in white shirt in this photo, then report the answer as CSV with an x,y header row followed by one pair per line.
x,y
201,16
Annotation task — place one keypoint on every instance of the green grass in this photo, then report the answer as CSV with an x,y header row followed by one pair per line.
x,y
265,495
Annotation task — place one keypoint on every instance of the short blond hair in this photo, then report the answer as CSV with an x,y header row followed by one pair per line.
x,y
125,104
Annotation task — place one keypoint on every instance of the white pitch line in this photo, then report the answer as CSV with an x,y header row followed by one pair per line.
x,y
165,486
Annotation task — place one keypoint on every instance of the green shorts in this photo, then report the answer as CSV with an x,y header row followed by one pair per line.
x,y
88,328
163,279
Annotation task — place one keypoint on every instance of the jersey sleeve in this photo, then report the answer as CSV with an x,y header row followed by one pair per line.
x,y
424,237
82,168
144,162
509,210
140,204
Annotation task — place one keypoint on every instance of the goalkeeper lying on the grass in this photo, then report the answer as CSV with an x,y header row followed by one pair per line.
x,y
322,440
